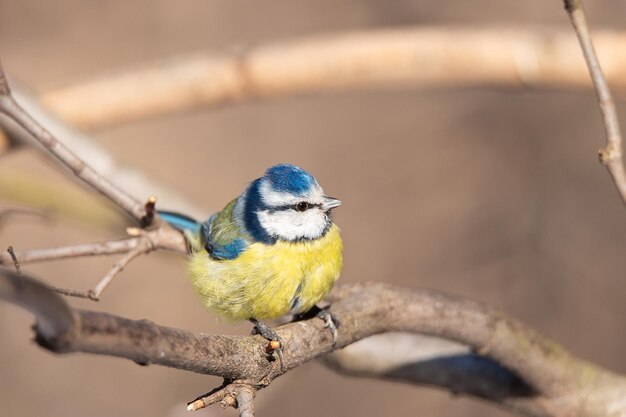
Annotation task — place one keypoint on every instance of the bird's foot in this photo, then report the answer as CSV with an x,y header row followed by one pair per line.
x,y
331,322
276,343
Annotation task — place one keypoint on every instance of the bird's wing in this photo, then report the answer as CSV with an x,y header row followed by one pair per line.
x,y
222,237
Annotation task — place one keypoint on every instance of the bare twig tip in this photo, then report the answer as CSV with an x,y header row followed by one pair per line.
x,y
149,207
273,345
608,154
196,405
133,231
18,269
571,5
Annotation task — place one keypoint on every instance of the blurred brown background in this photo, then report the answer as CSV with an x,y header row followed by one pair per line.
x,y
488,194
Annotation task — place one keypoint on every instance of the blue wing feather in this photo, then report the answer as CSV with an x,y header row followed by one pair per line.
x,y
221,236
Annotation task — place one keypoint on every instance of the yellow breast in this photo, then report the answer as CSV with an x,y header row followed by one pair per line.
x,y
269,281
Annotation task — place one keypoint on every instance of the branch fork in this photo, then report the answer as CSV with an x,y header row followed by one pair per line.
x,y
234,394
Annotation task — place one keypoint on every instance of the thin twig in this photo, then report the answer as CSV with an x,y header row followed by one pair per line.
x,y
145,246
99,157
63,291
211,397
15,261
245,401
236,394
611,155
226,395
12,109
163,238
75,251
54,316
71,292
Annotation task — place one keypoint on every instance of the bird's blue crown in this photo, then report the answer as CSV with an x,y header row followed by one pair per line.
x,y
281,178
290,179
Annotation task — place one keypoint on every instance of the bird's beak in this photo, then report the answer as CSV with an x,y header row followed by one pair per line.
x,y
330,203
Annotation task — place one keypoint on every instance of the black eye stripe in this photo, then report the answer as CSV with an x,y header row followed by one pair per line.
x,y
273,209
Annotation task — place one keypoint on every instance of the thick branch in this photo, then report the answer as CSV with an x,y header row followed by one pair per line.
x,y
54,316
563,383
425,56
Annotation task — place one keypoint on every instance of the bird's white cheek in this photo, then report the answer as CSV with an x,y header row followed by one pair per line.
x,y
293,225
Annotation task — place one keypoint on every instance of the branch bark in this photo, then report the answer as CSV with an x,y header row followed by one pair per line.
x,y
558,383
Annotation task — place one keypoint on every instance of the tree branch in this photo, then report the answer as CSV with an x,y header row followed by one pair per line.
x,y
423,56
163,237
53,314
12,109
611,155
144,246
563,384
87,249
425,360
97,156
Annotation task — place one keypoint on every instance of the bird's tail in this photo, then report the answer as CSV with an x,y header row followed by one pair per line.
x,y
189,226
180,221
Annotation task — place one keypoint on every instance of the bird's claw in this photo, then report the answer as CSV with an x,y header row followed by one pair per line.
x,y
275,344
331,322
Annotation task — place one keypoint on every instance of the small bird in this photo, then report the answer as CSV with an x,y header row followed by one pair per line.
x,y
272,251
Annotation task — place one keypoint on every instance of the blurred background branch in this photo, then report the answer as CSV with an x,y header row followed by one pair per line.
x,y
426,57
94,153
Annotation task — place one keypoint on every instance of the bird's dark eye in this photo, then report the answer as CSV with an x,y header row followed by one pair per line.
x,y
302,206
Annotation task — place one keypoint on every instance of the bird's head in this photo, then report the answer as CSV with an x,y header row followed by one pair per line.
x,y
287,203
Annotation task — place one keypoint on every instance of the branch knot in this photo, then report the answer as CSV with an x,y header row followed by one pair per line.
x,y
608,154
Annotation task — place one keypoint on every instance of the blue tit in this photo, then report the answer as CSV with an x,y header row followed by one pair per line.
x,y
272,251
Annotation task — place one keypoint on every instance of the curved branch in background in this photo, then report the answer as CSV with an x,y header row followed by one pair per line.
x,y
611,155
558,383
425,360
423,56
427,57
